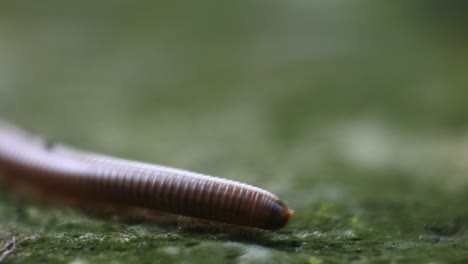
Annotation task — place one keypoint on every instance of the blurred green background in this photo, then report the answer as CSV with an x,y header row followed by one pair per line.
x,y
352,112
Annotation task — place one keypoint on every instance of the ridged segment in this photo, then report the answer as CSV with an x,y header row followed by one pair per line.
x,y
69,172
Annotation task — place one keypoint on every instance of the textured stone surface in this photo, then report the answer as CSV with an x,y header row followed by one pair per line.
x,y
354,114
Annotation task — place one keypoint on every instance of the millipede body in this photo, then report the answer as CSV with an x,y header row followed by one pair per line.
x,y
29,160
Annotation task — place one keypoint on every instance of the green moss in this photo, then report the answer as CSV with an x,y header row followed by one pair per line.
x,y
354,114
362,228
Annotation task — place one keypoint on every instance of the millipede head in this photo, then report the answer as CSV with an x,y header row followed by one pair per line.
x,y
279,217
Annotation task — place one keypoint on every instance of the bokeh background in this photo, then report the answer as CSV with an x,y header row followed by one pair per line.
x,y
353,112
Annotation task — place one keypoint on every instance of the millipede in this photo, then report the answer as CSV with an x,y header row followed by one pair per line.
x,y
29,160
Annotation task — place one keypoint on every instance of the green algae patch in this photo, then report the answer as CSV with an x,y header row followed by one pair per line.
x,y
365,228
354,114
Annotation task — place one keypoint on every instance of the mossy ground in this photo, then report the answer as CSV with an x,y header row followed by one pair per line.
x,y
353,114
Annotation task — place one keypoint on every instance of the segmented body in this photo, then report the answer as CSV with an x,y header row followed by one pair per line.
x,y
27,159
